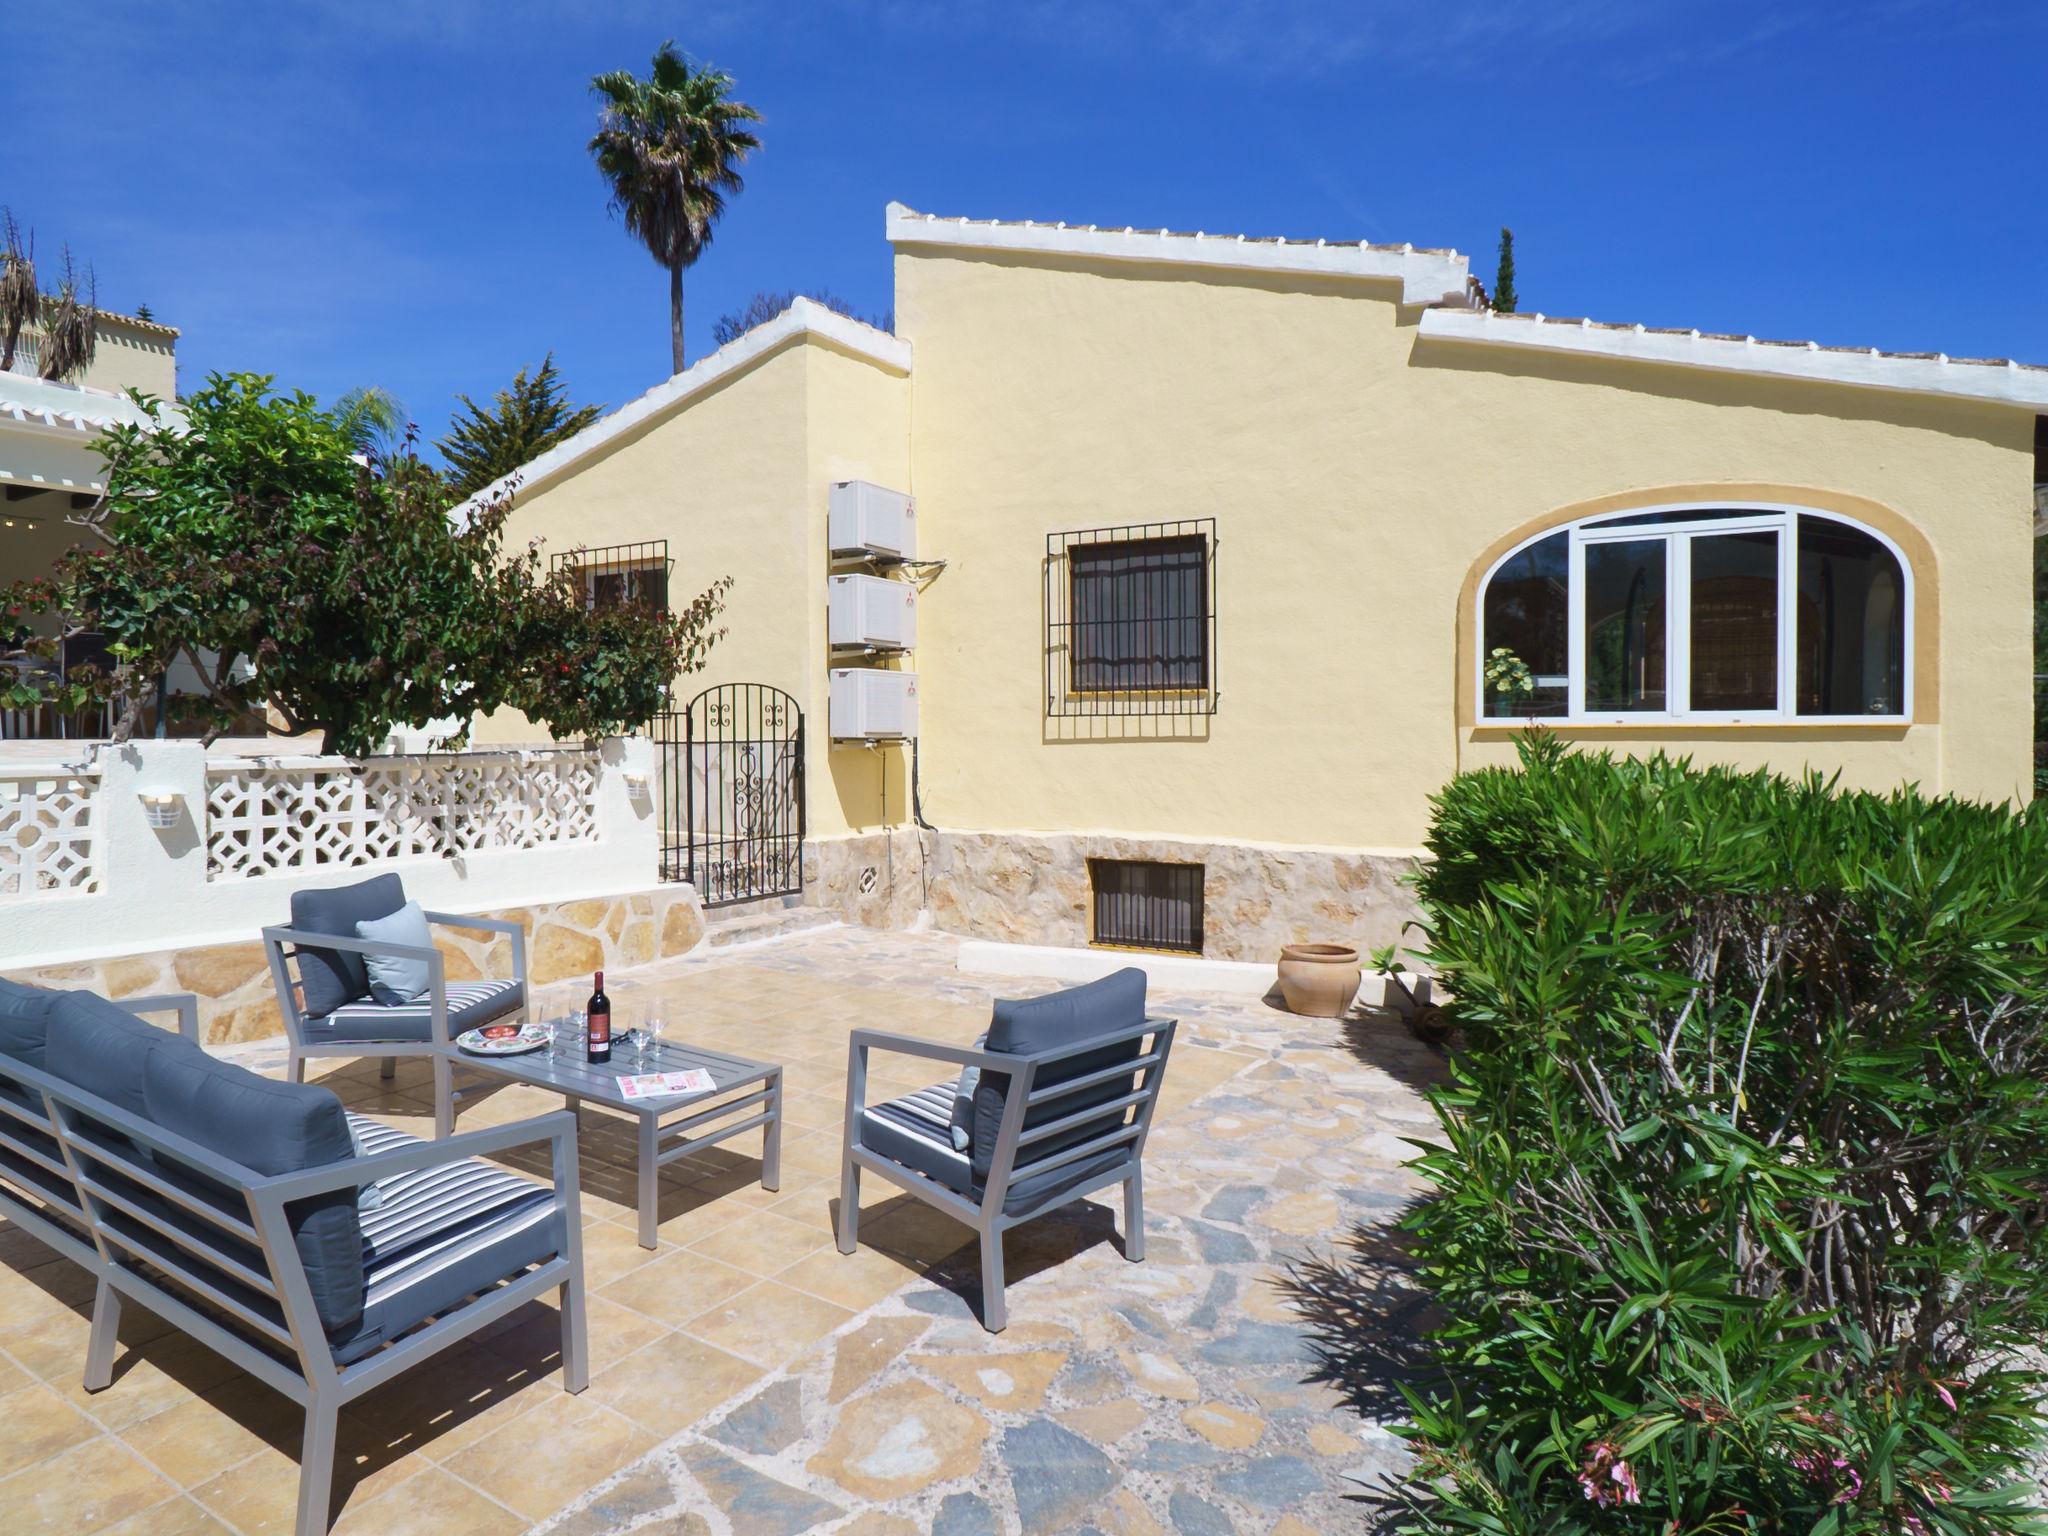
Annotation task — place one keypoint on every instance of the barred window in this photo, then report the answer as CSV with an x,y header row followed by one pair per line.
x,y
1131,620
1146,904
619,574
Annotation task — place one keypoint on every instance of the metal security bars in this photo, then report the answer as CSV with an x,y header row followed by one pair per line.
x,y
1130,620
1143,904
619,574
732,772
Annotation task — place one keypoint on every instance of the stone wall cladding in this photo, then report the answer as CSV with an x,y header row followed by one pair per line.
x,y
1032,888
875,879
563,940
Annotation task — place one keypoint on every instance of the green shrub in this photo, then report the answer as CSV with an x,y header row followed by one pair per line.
x,y
1740,1219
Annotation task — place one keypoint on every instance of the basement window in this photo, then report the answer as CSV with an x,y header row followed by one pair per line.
x,y
1146,904
1131,620
620,574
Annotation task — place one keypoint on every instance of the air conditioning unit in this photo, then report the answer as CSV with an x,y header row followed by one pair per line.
x,y
870,611
864,519
871,705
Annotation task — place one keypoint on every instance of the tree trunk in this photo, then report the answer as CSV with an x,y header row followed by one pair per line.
x,y
675,314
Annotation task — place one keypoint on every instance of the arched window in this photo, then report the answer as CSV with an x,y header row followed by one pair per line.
x,y
1698,613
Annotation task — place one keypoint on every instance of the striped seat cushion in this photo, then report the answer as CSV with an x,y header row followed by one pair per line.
x,y
917,1131
470,1003
441,1234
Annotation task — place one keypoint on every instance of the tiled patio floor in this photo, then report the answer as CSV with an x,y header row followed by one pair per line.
x,y
749,1379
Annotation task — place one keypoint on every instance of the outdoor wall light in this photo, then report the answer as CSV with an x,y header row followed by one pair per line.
x,y
636,784
159,807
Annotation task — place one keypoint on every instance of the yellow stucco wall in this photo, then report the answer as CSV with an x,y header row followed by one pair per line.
x,y
1357,473
736,479
132,355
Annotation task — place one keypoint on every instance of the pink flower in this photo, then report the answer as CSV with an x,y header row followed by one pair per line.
x,y
1606,1478
1941,1391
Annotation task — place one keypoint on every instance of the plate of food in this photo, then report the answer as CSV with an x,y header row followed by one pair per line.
x,y
504,1039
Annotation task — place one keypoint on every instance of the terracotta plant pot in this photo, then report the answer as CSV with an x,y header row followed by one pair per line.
x,y
1320,980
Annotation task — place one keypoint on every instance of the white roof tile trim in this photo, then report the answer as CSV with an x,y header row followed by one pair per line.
x,y
1426,277
2006,383
805,316
72,409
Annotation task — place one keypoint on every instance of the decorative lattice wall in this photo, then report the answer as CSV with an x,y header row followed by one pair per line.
x,y
270,818
46,832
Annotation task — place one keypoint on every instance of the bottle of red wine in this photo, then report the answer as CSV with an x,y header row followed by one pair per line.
x,y
600,1012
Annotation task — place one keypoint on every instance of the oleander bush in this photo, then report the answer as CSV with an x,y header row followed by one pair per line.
x,y
1740,1215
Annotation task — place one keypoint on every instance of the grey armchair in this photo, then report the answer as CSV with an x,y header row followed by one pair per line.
x,y
1055,1104
316,965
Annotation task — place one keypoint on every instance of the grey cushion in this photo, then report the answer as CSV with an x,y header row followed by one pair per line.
x,y
105,1050
271,1128
916,1131
24,1021
332,977
395,979
1065,1018
470,1003
441,1234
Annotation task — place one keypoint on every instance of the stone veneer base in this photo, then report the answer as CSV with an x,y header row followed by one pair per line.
x,y
237,1001
1032,888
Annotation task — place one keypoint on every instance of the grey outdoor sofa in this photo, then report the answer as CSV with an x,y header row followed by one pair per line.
x,y
1053,1104
323,990
231,1206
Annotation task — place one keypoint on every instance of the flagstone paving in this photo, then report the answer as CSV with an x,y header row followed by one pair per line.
x,y
749,1380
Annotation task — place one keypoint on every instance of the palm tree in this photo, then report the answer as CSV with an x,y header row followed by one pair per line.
x,y
670,147
71,324
21,300
373,420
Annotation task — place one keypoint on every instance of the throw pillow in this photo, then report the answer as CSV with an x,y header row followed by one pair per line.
x,y
963,1100
394,979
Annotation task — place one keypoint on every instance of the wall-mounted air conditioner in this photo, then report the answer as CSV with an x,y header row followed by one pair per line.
x,y
864,519
872,705
870,611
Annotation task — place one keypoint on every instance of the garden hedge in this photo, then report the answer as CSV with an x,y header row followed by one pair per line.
x,y
1740,1208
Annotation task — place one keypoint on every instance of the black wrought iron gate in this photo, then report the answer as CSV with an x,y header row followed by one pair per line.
x,y
732,779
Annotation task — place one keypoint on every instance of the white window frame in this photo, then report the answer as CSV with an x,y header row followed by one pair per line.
x,y
1677,524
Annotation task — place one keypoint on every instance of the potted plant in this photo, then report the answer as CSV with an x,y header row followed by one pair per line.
x,y
1508,681
1425,1019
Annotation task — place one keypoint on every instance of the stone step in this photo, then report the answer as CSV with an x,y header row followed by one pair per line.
x,y
760,927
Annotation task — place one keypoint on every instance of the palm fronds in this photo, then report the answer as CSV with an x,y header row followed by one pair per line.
x,y
71,324
21,300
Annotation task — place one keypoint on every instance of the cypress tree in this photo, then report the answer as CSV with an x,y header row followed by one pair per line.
x,y
1504,275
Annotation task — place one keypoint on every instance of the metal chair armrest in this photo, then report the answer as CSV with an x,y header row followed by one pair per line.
x,y
184,1004
458,920
351,1173
299,939
514,930
863,1040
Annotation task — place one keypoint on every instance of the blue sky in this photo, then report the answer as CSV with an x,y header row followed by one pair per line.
x,y
352,192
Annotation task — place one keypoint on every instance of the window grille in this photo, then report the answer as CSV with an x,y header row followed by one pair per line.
x,y
1144,904
620,573
1131,620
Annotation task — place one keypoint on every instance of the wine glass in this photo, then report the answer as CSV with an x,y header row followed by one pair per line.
x,y
651,1029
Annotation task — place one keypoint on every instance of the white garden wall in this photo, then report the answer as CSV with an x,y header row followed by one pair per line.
x,y
83,873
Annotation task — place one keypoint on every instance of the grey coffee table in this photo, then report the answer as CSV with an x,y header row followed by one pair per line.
x,y
669,1127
